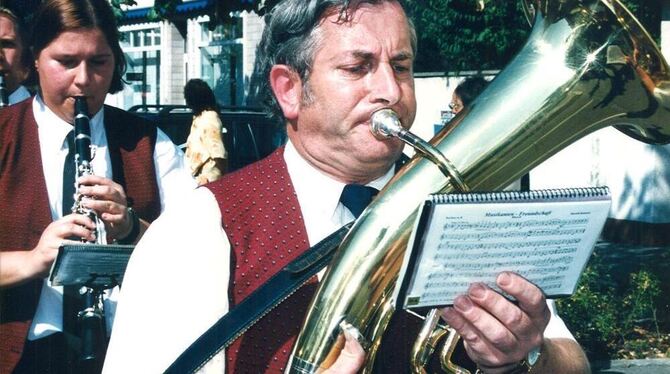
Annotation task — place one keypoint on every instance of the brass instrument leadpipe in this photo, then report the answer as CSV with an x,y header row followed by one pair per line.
x,y
588,64
386,123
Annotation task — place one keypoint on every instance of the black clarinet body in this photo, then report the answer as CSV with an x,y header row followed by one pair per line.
x,y
82,137
82,160
90,317
4,94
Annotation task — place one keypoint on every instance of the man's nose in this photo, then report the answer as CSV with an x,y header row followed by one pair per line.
x,y
385,87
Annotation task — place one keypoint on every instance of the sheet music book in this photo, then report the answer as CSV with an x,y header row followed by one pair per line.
x,y
547,236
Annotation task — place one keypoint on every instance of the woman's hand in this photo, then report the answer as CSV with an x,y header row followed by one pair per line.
x,y
108,199
17,267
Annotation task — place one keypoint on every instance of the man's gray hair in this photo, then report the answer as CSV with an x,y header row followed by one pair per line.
x,y
289,38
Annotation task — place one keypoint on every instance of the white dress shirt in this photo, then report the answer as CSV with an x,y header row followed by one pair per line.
x,y
173,179
19,94
194,253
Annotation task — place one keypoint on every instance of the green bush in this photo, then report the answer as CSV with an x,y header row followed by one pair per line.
x,y
613,318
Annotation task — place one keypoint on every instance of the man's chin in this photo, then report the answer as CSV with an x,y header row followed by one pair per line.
x,y
388,156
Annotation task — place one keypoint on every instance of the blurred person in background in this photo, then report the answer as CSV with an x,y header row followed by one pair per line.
x,y
466,92
14,58
205,152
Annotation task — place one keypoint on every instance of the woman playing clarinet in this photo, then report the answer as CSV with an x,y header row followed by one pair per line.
x,y
137,172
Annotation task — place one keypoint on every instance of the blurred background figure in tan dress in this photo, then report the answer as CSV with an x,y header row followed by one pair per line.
x,y
205,152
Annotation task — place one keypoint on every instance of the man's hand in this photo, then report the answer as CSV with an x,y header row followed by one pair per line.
x,y
108,199
497,333
351,358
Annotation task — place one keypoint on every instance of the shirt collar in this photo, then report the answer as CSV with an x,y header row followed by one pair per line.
x,y
317,190
19,94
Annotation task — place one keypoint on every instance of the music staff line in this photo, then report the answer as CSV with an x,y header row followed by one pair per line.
x,y
514,263
519,234
465,246
457,288
550,271
506,225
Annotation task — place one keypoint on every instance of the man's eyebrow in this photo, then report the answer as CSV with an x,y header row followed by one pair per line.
x,y
365,55
362,55
403,56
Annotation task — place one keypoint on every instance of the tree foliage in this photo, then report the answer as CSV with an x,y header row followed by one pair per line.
x,y
456,35
459,35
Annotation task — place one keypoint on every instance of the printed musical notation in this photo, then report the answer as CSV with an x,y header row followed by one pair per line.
x,y
456,244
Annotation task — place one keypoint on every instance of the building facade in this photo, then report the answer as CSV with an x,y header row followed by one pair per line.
x,y
163,55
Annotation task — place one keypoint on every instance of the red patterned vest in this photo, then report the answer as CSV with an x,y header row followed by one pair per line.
x,y
24,205
264,223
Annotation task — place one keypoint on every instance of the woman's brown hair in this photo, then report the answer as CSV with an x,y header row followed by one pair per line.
x,y
57,16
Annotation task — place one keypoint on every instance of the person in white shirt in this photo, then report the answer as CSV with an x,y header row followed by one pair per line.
x,y
328,65
14,58
137,172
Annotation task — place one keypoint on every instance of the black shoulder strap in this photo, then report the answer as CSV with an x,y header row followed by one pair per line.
x,y
239,319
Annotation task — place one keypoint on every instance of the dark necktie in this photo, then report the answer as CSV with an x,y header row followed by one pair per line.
x,y
69,175
356,197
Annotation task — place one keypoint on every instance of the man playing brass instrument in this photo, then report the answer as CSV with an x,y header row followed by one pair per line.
x,y
327,66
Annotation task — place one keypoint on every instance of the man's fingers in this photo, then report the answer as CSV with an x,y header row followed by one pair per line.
x,y
351,358
486,324
531,299
479,348
510,316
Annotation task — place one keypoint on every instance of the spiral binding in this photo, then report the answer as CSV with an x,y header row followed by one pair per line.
x,y
578,193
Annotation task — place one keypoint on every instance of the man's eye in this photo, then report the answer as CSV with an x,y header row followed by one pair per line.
x,y
401,68
357,69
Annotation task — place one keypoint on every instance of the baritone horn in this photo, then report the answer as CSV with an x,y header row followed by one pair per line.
x,y
587,64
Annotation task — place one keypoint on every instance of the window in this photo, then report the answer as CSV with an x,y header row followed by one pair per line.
x,y
221,60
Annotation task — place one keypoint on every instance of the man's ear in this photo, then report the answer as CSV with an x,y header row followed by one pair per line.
x,y
287,87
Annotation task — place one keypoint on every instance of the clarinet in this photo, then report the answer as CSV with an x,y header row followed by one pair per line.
x,y
82,160
4,95
90,320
